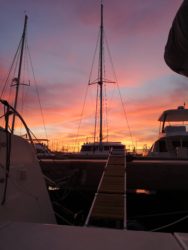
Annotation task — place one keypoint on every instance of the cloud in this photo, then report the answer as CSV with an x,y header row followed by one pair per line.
x,y
62,37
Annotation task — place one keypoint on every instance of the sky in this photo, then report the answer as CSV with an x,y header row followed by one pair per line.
x,y
62,37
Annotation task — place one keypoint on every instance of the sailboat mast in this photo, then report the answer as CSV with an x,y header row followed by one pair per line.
x,y
101,78
19,70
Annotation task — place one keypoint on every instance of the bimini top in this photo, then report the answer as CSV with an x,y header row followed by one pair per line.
x,y
179,114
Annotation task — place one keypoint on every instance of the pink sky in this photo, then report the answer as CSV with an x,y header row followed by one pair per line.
x,y
62,37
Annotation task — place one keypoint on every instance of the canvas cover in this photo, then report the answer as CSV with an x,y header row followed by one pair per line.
x,y
176,50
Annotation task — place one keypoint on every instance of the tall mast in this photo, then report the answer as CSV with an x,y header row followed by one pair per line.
x,y
19,70
101,78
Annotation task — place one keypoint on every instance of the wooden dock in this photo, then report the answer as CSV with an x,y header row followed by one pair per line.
x,y
109,205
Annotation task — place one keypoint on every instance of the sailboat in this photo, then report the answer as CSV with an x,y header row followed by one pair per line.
x,y
101,147
23,192
41,145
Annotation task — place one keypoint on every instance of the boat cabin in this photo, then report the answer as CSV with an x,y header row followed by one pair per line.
x,y
173,136
176,119
95,147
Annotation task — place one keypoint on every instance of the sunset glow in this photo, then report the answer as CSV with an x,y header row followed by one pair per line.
x,y
62,36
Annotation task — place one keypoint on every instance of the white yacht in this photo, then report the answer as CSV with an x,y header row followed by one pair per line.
x,y
173,136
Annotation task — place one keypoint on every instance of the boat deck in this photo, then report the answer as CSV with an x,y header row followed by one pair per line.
x,y
32,236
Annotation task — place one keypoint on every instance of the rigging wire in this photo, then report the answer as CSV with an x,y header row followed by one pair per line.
x,y
96,112
86,91
123,103
22,90
24,79
12,77
22,106
93,60
105,92
106,109
160,214
10,70
81,116
125,113
36,88
170,224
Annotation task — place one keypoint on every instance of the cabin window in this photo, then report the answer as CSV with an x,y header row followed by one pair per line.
x,y
95,148
162,146
121,147
86,148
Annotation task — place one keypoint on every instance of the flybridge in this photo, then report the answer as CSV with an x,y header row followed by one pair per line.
x,y
174,115
179,114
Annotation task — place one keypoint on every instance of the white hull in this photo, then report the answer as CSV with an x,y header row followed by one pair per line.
x,y
27,198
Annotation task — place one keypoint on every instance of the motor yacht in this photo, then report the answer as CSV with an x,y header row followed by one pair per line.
x,y
173,135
